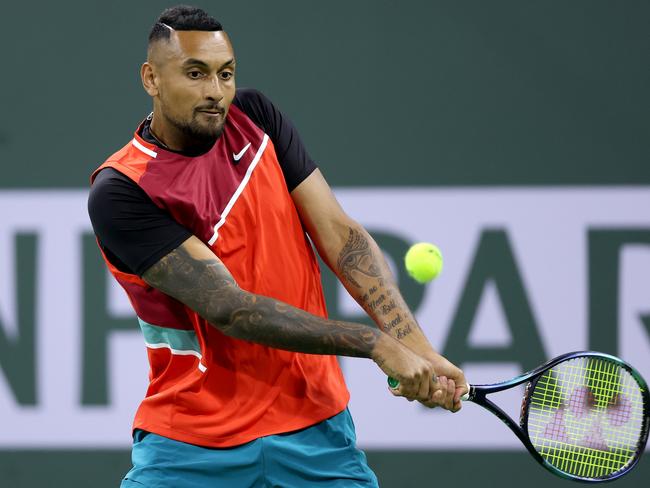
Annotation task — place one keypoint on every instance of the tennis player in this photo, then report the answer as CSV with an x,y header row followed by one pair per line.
x,y
205,219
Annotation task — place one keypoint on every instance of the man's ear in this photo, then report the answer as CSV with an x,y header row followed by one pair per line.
x,y
149,79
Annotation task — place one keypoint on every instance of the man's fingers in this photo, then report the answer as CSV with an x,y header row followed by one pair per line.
x,y
447,398
443,392
430,404
451,389
433,386
430,390
439,395
425,387
460,391
444,395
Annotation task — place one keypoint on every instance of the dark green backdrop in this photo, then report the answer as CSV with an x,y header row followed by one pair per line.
x,y
384,93
399,92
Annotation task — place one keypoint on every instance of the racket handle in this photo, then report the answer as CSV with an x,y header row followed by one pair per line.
x,y
393,384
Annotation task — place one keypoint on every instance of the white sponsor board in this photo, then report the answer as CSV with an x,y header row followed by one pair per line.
x,y
547,230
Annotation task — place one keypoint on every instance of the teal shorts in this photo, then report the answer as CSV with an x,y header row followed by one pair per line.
x,y
323,455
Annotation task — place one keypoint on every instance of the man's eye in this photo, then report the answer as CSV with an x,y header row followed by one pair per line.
x,y
195,75
226,75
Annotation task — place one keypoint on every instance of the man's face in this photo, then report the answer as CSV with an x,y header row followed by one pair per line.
x,y
194,83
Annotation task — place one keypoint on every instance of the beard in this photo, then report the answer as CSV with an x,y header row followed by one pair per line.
x,y
198,134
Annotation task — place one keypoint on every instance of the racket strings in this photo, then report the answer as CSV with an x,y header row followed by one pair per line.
x,y
586,417
582,402
620,410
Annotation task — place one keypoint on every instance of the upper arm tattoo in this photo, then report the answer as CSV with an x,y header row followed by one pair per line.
x,y
180,262
194,281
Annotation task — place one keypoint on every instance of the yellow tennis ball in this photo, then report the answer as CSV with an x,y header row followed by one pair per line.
x,y
423,262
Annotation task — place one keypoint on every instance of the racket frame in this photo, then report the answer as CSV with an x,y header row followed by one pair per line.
x,y
478,394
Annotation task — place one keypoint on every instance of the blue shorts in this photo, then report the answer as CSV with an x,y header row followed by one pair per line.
x,y
323,455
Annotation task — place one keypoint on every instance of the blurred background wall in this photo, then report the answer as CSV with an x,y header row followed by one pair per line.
x,y
513,134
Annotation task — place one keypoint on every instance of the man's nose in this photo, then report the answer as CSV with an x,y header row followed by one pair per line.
x,y
213,90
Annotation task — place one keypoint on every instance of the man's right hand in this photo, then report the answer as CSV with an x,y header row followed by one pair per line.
x,y
416,375
451,383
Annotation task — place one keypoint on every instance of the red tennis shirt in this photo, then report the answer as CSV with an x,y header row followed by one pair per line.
x,y
207,388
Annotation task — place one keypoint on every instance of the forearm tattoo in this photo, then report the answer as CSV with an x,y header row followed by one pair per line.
x,y
206,286
364,268
356,257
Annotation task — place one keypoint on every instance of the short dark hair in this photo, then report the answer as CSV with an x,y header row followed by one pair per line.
x,y
182,18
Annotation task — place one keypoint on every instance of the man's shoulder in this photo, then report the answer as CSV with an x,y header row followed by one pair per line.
x,y
108,182
109,186
108,176
251,98
131,159
248,93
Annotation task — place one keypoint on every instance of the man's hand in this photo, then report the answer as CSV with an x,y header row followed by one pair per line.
x,y
445,389
414,373
451,384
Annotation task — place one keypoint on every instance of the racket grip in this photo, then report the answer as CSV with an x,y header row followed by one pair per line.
x,y
393,384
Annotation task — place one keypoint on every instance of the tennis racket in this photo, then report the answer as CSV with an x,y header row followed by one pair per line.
x,y
584,415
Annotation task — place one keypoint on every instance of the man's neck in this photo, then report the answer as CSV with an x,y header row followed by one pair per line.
x,y
168,137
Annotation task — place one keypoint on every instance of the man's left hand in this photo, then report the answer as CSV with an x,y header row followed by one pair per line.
x,y
451,384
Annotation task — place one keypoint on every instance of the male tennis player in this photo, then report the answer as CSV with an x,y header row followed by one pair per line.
x,y
203,219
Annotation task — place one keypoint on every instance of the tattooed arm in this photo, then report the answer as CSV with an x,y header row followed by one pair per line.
x,y
352,254
193,275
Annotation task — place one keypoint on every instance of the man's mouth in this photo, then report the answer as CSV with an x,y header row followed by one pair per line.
x,y
211,111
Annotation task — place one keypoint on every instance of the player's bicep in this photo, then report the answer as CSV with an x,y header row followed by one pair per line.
x,y
195,276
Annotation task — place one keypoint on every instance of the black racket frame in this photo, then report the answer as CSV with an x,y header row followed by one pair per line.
x,y
478,394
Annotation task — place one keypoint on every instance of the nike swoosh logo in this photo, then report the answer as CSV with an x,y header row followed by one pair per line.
x,y
239,155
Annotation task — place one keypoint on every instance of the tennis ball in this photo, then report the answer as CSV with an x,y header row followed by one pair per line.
x,y
423,262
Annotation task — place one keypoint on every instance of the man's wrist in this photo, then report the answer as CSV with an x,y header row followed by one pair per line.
x,y
417,342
